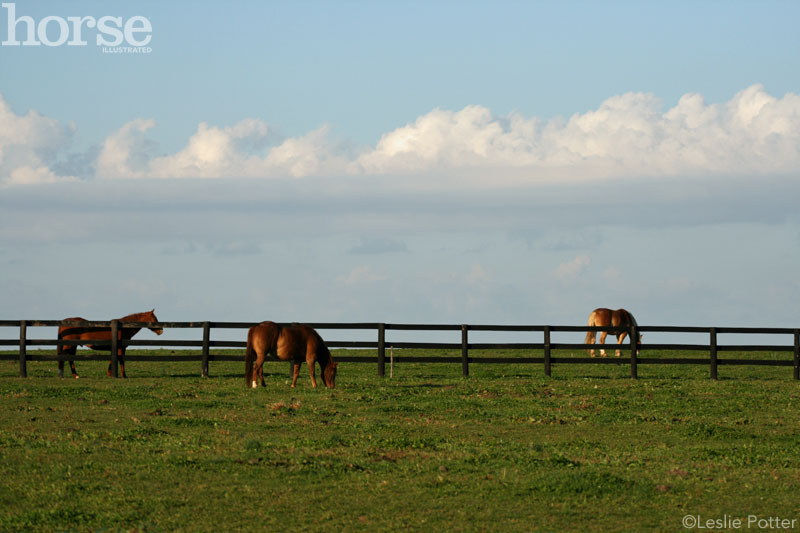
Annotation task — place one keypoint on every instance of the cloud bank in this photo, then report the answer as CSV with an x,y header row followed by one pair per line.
x,y
628,135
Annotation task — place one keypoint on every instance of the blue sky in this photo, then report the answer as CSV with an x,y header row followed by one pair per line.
x,y
519,162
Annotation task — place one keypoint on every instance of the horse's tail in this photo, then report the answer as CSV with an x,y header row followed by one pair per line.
x,y
59,346
59,351
249,358
590,335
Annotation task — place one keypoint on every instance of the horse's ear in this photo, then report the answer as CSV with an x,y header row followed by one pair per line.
x,y
153,310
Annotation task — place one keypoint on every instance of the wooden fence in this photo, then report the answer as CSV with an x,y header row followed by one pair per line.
x,y
633,357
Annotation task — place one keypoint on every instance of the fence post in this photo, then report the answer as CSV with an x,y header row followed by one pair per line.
x,y
547,351
381,350
114,348
634,335
797,354
23,349
464,351
206,347
713,347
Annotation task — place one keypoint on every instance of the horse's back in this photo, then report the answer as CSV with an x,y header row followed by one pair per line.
x,y
263,337
74,331
299,342
603,316
600,317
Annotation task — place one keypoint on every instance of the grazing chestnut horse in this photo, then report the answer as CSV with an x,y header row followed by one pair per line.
x,y
603,317
88,334
296,343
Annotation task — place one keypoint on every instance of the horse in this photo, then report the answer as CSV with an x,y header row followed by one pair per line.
x,y
88,334
602,317
294,343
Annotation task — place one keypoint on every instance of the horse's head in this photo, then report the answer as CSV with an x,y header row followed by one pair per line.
x,y
150,316
329,375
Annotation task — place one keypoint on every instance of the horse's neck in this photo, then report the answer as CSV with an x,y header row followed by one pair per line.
x,y
631,321
324,356
136,317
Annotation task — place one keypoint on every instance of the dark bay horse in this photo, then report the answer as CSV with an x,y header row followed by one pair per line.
x,y
603,317
88,334
296,343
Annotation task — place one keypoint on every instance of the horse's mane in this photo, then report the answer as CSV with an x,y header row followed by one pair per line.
x,y
632,319
322,349
146,316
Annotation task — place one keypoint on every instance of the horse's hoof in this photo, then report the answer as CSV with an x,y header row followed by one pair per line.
x,y
75,376
254,385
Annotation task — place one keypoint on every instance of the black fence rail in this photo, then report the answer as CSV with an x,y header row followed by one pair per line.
x,y
633,349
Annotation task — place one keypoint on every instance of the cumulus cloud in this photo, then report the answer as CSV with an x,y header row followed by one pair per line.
x,y
628,135
241,151
29,146
477,275
379,245
125,152
361,275
573,268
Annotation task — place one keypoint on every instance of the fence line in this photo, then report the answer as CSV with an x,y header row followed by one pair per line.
x,y
547,347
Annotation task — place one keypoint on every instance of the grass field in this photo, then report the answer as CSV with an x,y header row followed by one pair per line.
x,y
506,449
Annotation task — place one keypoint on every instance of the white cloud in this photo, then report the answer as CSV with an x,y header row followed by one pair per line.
x,y
628,135
477,275
572,269
361,275
125,152
29,145
240,150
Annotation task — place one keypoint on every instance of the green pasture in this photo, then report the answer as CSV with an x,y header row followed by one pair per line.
x,y
506,449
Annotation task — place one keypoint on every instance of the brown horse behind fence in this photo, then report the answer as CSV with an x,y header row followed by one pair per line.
x,y
296,343
603,317
88,334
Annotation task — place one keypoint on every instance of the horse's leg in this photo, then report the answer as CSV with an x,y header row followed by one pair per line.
x,y
261,370
295,374
121,361
67,350
258,371
310,363
590,338
620,338
603,341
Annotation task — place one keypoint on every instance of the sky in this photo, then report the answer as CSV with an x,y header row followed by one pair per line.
x,y
434,162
